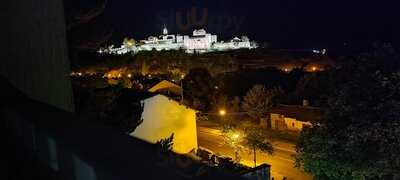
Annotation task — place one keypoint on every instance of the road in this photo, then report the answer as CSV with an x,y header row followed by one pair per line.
x,y
281,161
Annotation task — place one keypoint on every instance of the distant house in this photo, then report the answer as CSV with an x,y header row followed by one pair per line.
x,y
162,117
293,118
167,88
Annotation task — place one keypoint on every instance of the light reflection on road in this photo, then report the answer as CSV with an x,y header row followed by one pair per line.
x,y
281,161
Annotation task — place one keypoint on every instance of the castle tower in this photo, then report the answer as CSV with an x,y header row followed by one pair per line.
x,y
165,30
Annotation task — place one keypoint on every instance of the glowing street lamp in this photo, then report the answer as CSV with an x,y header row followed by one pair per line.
x,y
222,112
235,136
314,68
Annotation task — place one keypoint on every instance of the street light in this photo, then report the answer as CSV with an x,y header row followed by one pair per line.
x,y
235,136
222,112
314,68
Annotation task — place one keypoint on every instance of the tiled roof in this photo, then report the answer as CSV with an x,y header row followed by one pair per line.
x,y
166,85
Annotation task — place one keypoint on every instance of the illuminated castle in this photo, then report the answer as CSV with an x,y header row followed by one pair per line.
x,y
200,42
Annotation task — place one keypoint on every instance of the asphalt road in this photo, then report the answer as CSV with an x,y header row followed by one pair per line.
x,y
281,161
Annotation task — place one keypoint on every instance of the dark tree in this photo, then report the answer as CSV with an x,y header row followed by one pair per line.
x,y
198,88
259,100
165,145
126,112
256,139
113,106
359,138
313,87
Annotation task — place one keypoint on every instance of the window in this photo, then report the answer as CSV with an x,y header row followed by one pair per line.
x,y
292,124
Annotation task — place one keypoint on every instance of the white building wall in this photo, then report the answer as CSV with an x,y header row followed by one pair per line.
x,y
162,117
196,43
293,124
280,122
179,39
214,38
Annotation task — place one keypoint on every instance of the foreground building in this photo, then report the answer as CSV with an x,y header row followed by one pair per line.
x,y
162,117
199,42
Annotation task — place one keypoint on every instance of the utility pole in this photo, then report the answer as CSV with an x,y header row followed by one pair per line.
x,y
181,91
182,76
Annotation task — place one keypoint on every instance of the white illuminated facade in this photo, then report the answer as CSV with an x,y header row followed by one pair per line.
x,y
200,42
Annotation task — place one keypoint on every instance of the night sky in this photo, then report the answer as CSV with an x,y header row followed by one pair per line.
x,y
282,23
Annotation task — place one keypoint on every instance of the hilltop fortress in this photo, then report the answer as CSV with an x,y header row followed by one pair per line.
x,y
200,42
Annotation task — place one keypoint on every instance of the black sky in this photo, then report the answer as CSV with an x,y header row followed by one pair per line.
x,y
283,23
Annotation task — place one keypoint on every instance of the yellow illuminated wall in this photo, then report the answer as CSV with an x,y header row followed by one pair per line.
x,y
162,117
280,122
294,124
